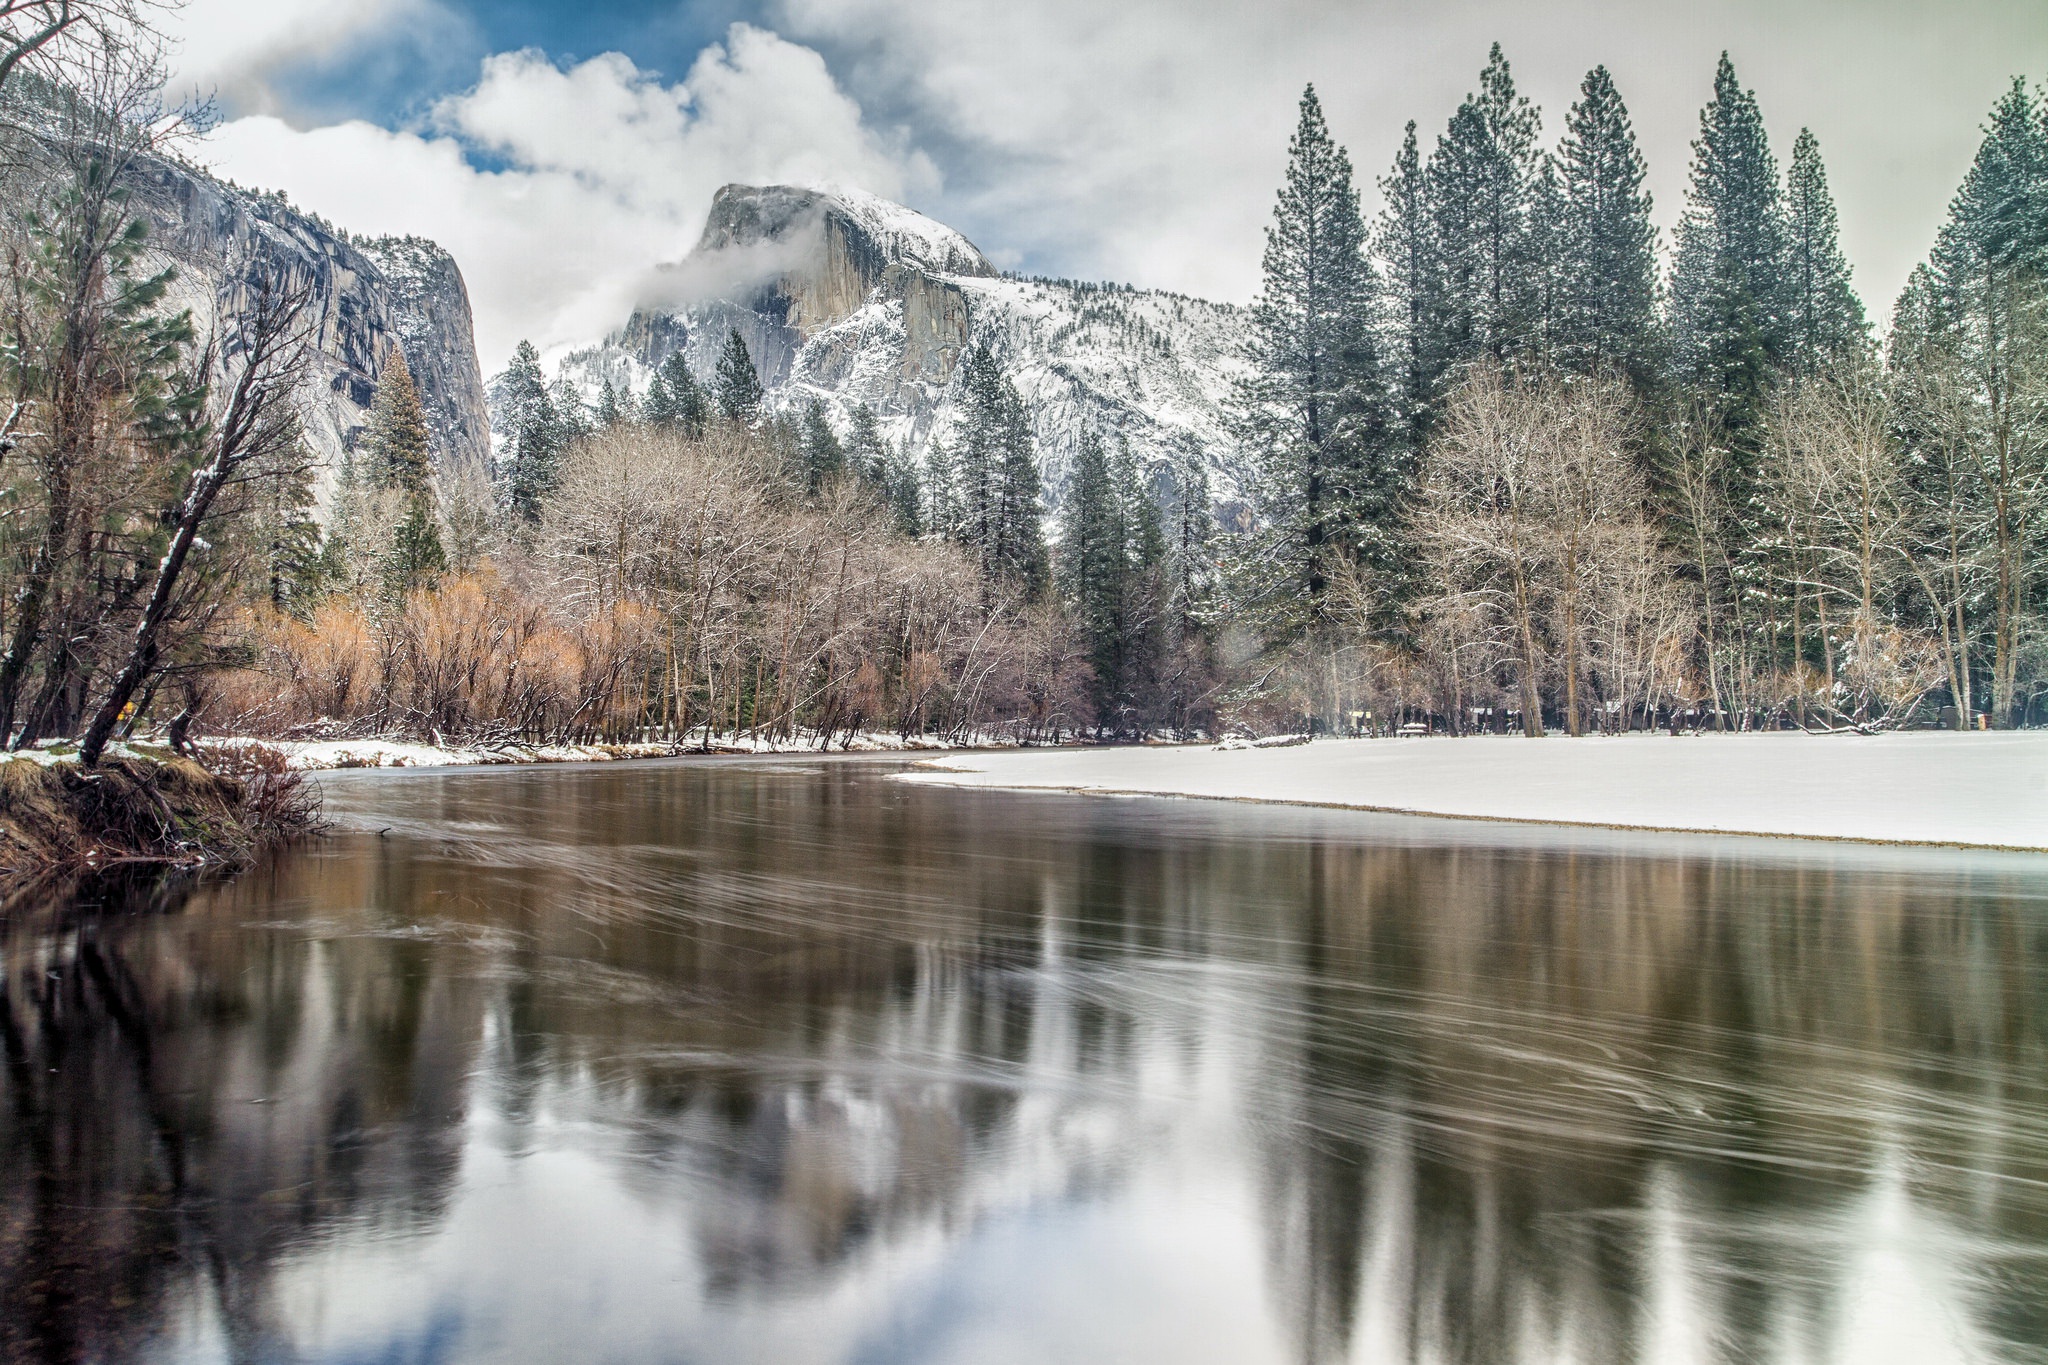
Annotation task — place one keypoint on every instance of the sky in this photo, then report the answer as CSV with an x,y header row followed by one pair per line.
x,y
562,149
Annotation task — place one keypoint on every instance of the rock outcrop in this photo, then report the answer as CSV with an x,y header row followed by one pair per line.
x,y
847,299
369,296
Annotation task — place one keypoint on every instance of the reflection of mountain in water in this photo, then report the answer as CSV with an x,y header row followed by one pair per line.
x,y
769,1063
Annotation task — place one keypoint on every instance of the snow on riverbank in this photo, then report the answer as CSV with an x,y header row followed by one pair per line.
x,y
325,754
1935,788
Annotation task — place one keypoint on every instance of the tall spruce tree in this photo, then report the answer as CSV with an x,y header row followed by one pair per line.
x,y
1605,316
1982,303
993,490
1020,547
1728,297
1483,180
739,385
532,433
399,445
675,400
867,454
1095,571
398,453
1825,324
1404,241
824,459
1313,402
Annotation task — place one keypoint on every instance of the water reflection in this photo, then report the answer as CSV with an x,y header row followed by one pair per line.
x,y
783,1062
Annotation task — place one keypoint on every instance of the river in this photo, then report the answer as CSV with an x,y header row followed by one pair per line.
x,y
780,1061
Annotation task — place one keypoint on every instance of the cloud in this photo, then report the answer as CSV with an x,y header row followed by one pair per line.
x,y
560,189
1144,140
238,48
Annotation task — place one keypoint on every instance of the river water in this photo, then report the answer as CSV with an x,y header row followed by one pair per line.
x,y
785,1062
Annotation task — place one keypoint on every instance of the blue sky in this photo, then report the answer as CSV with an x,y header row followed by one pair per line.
x,y
563,150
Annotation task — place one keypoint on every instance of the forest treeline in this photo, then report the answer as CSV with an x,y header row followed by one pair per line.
x,y
1512,473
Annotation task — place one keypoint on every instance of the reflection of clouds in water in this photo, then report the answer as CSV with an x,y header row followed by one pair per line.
x,y
959,1077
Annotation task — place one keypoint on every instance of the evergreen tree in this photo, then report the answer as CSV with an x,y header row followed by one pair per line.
x,y
941,493
1191,529
675,400
1606,246
532,434
1095,570
1405,244
1020,552
397,454
1313,403
1825,324
867,454
900,488
1728,291
573,419
397,435
739,386
614,407
1482,183
1111,547
417,559
823,457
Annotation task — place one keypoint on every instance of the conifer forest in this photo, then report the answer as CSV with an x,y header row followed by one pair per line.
x,y
1518,465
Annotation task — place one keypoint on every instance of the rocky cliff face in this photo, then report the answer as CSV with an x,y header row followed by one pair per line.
x,y
368,297
845,299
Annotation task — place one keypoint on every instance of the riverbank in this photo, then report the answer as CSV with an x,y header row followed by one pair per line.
x,y
1969,790
144,806
330,754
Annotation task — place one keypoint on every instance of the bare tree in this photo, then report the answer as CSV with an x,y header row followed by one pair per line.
x,y
266,352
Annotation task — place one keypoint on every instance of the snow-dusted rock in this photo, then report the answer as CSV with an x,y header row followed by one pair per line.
x,y
847,299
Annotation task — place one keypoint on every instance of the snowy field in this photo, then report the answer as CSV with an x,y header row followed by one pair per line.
x,y
1931,788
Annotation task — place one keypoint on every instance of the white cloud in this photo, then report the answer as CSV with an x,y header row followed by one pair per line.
x,y
596,174
236,47
1143,140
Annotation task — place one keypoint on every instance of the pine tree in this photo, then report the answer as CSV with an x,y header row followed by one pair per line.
x,y
1314,396
739,386
417,559
823,457
1405,245
396,452
1192,530
532,435
867,454
1095,571
614,408
1825,324
398,443
1482,183
900,487
573,419
1605,316
941,493
1020,551
1728,282
675,400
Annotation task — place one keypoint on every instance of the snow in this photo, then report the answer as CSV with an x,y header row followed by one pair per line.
x,y
1984,790
324,754
1158,368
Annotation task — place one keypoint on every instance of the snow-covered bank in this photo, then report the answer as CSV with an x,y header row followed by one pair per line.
x,y
1987,790
324,754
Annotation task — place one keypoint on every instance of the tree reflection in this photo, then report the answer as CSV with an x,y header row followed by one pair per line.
x,y
1508,1101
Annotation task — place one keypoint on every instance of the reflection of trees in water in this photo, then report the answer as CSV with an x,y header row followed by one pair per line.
x,y
1519,1076
186,1102
1492,1093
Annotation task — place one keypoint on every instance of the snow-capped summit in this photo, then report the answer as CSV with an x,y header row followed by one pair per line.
x,y
845,298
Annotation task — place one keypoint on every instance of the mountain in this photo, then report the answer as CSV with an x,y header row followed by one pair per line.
x,y
368,296
845,298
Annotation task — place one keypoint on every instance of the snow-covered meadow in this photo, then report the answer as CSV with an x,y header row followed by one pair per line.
x,y
1986,790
